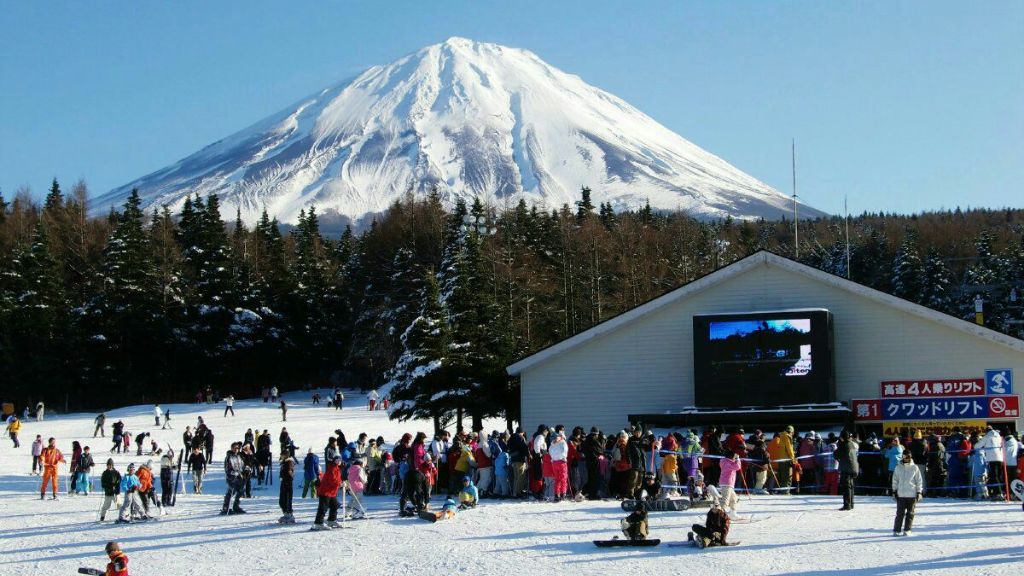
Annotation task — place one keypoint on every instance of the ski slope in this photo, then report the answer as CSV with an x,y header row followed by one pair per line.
x,y
798,534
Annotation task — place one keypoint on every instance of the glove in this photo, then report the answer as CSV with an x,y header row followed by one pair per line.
x,y
919,496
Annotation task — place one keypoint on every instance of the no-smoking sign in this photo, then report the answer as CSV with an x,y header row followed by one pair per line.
x,y
1003,407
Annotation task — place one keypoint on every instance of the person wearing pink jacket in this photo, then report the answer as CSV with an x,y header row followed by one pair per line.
x,y
730,465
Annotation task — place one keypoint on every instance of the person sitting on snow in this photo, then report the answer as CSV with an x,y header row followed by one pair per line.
x,y
651,488
634,526
469,495
714,531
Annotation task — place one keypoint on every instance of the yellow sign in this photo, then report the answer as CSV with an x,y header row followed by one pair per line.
x,y
938,427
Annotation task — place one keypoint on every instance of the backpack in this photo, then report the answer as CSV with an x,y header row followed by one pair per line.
x,y
718,521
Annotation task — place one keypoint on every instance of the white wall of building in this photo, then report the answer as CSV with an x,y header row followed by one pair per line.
x,y
645,366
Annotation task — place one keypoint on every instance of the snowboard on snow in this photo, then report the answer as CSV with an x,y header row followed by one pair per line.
x,y
1017,486
669,505
626,542
94,571
429,516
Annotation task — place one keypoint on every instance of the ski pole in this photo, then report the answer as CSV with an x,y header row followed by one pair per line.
x,y
743,477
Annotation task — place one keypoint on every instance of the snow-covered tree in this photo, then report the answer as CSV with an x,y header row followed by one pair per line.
x,y
908,270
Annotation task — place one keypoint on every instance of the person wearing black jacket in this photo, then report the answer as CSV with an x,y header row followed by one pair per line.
x,y
235,472
715,448
415,491
637,465
197,463
849,469
249,462
208,445
518,452
592,452
936,466
286,475
110,481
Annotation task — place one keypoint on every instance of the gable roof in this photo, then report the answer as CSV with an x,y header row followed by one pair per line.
x,y
762,258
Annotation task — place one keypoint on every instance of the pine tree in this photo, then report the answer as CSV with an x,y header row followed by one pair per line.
x,y
54,202
936,284
418,379
984,279
908,270
584,207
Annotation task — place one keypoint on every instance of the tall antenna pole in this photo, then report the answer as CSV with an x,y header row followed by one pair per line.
x,y
847,224
796,221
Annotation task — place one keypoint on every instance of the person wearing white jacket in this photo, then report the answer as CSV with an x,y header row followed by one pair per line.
x,y
907,486
1011,447
991,445
559,451
157,413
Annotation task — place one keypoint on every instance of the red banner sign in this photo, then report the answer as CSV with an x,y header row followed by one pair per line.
x,y
930,388
866,410
1004,407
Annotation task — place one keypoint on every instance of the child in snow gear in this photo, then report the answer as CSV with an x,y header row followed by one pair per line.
x,y
37,452
469,495
310,473
327,491
197,463
131,507
907,487
118,565
287,477
634,526
447,512
715,530
110,481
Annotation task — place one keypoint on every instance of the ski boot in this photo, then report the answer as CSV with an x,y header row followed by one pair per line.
x,y
320,527
333,524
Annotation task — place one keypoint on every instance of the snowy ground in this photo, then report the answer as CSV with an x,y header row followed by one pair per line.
x,y
798,534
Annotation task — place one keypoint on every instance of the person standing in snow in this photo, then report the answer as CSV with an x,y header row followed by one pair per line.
x,y
327,492
83,484
229,405
991,445
559,452
286,476
40,411
284,411
197,463
100,421
907,487
130,507
208,444
730,466
273,394
310,472
117,435
50,458
37,451
13,427
234,471
157,413
110,481
849,468
372,398
167,478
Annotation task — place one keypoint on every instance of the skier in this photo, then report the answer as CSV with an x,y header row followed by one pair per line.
x,y
327,492
167,477
83,484
131,506
157,413
287,477
110,481
234,471
715,530
310,473
229,405
167,421
13,427
50,458
197,463
147,491
100,420
37,451
907,487
730,466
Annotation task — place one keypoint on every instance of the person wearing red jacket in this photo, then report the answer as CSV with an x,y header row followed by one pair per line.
x,y
327,491
484,467
118,565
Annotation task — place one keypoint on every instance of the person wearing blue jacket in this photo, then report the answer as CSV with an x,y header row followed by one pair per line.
x,y
310,472
501,483
131,506
979,473
469,495
893,455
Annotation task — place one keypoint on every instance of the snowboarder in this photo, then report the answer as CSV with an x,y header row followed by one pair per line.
x,y
100,420
110,481
50,458
715,530
907,487
118,565
634,526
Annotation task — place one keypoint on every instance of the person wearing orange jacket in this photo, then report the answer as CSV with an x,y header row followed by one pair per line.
x,y
51,457
327,491
146,489
789,458
118,565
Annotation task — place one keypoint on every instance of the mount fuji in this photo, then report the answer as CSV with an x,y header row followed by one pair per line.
x,y
469,119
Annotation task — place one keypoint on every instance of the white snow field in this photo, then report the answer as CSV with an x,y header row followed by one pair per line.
x,y
798,534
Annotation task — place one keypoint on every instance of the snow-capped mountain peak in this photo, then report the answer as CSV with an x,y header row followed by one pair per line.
x,y
466,117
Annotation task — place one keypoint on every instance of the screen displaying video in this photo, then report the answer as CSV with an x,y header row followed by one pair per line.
x,y
763,358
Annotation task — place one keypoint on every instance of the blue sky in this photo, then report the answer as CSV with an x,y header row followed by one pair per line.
x,y
722,330
902,106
